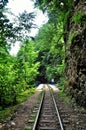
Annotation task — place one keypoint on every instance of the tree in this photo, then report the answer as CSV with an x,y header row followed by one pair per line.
x,y
26,66
10,84
23,25
50,44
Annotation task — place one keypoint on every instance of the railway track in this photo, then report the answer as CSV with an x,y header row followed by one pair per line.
x,y
47,117
52,114
49,113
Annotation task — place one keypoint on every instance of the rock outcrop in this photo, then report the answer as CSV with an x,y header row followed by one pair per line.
x,y
76,53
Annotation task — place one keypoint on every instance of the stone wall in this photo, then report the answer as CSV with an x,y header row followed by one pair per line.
x,y
76,53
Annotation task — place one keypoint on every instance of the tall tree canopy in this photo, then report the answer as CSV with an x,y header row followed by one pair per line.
x,y
16,73
51,53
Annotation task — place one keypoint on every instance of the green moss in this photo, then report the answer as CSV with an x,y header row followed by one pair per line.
x,y
71,37
77,17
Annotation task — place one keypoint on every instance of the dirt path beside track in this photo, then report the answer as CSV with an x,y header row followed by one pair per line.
x,y
21,116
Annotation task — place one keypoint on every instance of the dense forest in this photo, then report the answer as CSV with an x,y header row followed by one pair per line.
x,y
57,52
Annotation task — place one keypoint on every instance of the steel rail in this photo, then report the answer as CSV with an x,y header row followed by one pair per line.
x,y
39,110
57,111
38,113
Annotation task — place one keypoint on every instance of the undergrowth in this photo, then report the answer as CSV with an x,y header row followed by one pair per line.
x,y
23,96
64,96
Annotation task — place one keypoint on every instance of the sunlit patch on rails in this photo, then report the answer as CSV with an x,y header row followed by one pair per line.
x,y
45,116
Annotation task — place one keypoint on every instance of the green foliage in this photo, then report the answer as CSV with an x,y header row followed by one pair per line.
x,y
7,112
21,97
52,5
41,59
6,27
19,74
50,72
53,58
7,79
66,21
51,52
71,37
27,67
25,22
77,17
16,73
5,61
64,96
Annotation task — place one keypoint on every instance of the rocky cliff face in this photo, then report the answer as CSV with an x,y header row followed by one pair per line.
x,y
76,52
